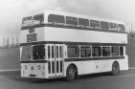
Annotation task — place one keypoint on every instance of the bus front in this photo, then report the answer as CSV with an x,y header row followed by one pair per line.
x,y
32,53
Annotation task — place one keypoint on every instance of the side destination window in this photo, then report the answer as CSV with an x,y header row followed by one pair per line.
x,y
71,20
83,22
53,18
73,51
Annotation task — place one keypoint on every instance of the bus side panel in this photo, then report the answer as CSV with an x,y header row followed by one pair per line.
x,y
96,66
92,66
124,63
83,67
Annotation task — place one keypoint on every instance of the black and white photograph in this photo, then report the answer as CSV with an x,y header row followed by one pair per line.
x,y
67,44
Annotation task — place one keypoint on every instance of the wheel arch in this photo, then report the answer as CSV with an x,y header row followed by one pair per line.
x,y
116,63
74,65
115,68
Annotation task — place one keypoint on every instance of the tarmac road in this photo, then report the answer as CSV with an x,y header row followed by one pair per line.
x,y
125,80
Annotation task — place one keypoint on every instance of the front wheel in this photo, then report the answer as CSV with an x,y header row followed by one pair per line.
x,y
115,68
71,73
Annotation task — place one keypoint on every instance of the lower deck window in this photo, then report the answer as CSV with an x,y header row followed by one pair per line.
x,y
96,51
115,51
85,51
106,51
73,51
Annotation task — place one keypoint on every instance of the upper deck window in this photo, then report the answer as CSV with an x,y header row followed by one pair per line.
x,y
104,25
71,20
121,28
53,18
83,22
94,24
39,17
33,20
26,18
112,26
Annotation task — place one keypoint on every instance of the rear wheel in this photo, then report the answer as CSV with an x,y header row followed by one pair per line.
x,y
115,68
71,73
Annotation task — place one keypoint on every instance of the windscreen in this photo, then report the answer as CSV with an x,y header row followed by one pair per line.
x,y
26,53
36,52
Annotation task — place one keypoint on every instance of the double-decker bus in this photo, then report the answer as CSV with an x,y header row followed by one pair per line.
x,y
56,44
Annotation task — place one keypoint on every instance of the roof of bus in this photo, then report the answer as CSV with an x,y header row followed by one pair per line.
x,y
58,12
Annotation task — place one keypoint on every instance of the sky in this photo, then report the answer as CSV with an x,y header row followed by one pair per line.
x,y
12,11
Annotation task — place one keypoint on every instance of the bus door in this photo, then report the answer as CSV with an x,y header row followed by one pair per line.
x,y
55,60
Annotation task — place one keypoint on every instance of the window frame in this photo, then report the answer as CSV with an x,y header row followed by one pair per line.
x,y
96,24
99,51
86,51
108,50
70,19
118,51
121,27
76,51
57,20
44,52
113,26
105,25
84,20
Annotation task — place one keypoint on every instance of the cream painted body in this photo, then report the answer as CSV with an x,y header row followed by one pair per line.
x,y
83,67
74,35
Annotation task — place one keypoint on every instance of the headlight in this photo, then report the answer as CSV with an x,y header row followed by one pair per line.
x,y
39,67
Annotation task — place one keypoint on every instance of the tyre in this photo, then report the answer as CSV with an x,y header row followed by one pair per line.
x,y
71,73
115,68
